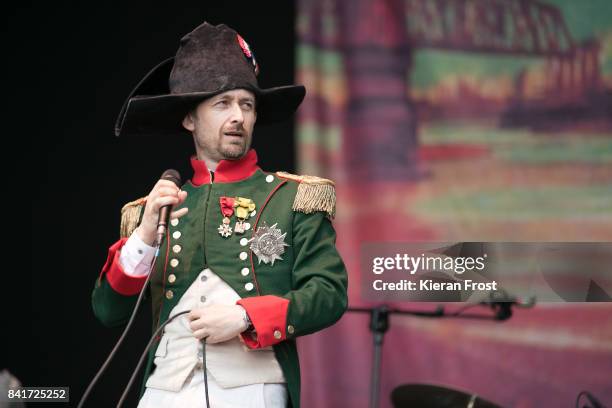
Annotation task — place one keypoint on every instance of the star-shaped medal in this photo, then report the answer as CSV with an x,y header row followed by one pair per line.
x,y
225,230
268,243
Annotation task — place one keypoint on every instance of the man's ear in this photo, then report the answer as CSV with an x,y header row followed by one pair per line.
x,y
188,122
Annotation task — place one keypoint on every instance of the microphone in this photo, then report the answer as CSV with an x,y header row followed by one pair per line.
x,y
164,212
501,303
501,296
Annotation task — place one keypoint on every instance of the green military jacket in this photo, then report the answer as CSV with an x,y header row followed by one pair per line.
x,y
301,293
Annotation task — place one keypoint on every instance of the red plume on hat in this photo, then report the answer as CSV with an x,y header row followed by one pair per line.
x,y
210,60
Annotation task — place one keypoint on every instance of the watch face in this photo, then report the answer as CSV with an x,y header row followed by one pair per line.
x,y
248,322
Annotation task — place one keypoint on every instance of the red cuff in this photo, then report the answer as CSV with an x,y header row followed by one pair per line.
x,y
121,282
269,317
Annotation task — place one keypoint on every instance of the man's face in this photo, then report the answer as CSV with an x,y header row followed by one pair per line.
x,y
222,126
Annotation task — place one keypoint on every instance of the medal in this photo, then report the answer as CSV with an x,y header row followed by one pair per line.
x,y
239,227
225,230
268,243
227,210
244,207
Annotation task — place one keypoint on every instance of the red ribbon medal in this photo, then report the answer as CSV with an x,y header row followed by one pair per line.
x,y
227,210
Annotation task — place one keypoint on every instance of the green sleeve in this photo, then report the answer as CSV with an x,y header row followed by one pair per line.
x,y
111,308
319,278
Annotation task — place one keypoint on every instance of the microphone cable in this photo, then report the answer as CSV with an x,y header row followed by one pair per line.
x,y
122,337
144,354
204,369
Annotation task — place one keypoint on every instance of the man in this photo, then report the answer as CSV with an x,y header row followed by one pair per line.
x,y
250,254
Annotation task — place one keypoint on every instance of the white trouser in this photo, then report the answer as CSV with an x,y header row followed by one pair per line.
x,y
192,395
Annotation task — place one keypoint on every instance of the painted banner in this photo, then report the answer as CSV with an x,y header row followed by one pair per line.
x,y
459,121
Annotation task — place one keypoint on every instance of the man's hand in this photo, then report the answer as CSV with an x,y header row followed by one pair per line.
x,y
217,323
165,192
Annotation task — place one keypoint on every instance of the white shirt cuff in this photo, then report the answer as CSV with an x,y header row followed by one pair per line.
x,y
136,256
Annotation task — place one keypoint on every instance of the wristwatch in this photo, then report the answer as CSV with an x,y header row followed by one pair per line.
x,y
248,322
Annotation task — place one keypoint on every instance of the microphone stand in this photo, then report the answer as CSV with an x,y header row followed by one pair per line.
x,y
379,324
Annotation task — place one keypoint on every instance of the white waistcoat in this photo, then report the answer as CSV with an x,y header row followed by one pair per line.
x,y
231,363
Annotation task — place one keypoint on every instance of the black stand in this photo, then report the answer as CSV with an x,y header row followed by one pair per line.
x,y
379,324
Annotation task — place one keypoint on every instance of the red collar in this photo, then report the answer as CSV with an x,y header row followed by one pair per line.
x,y
228,171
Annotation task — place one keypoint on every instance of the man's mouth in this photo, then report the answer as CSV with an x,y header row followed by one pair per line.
x,y
237,134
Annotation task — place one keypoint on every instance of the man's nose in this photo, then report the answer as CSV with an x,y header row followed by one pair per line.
x,y
237,116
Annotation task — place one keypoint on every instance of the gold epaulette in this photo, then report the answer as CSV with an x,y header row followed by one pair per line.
x,y
313,194
130,216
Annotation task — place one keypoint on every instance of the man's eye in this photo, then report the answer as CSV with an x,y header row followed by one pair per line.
x,y
221,103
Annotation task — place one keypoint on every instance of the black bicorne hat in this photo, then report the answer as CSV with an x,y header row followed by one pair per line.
x,y
210,60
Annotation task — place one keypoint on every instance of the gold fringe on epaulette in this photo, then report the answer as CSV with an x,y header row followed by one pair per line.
x,y
313,194
130,216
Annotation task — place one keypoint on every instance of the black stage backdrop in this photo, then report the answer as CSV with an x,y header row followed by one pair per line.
x,y
70,68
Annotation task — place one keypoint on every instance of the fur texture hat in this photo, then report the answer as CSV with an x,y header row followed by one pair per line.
x,y
210,60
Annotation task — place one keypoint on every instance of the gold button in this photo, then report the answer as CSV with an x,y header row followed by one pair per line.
x,y
169,294
243,255
171,278
244,241
277,334
244,271
290,329
174,222
176,249
248,286
174,262
269,178
176,234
